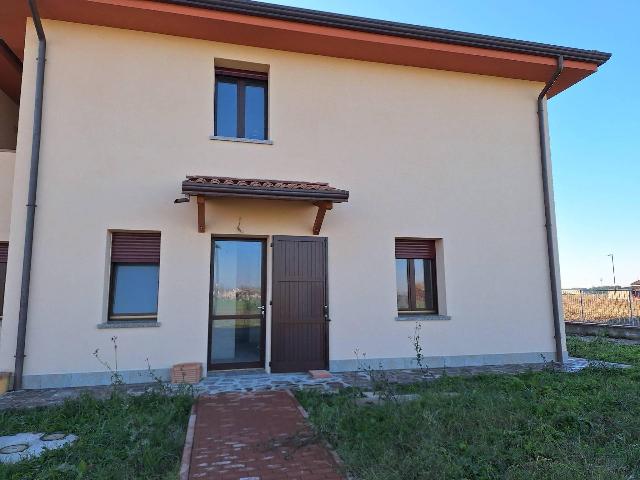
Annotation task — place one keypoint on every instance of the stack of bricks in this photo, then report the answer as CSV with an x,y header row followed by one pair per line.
x,y
186,373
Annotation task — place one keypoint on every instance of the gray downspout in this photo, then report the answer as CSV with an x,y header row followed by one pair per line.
x,y
544,162
31,199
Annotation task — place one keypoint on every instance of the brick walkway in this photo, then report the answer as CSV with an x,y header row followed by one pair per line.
x,y
257,436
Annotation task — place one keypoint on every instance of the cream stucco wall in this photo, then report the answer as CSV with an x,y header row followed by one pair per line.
x,y
424,154
8,122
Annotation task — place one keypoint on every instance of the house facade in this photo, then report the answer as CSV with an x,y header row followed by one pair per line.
x,y
247,189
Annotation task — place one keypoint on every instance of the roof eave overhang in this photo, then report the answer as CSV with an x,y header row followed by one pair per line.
x,y
304,31
208,190
385,27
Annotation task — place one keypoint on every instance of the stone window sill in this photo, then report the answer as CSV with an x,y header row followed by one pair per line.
x,y
130,324
421,318
241,140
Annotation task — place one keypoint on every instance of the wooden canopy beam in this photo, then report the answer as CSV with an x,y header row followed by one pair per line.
x,y
322,205
322,210
201,223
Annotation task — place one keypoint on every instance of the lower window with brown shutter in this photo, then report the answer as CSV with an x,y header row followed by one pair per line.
x,y
135,269
416,276
4,254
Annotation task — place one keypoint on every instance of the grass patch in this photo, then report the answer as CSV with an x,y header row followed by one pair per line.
x,y
124,437
537,425
602,349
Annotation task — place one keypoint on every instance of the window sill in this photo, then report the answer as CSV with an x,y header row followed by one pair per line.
x,y
241,140
420,318
129,324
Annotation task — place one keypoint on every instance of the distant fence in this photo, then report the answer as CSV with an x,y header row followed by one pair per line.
x,y
607,306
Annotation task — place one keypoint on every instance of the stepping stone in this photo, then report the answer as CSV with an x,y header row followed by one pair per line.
x,y
14,448
319,374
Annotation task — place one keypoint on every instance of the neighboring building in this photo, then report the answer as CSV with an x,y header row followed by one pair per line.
x,y
621,293
409,190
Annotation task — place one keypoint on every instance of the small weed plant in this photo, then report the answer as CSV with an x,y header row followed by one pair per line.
x,y
117,379
378,378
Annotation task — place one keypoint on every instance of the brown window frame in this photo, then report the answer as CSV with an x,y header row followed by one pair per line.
x,y
126,317
412,286
4,249
412,250
242,79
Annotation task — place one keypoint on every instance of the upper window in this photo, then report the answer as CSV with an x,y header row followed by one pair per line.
x,y
241,104
416,275
4,251
135,268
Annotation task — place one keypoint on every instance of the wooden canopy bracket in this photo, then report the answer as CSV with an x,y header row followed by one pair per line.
x,y
322,210
201,225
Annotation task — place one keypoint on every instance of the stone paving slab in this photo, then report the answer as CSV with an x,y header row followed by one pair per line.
x,y
56,396
574,365
258,436
258,380
15,448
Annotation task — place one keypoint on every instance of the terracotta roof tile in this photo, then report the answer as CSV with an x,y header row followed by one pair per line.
x,y
260,183
201,184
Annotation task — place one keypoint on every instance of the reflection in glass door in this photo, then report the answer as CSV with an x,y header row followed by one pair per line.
x,y
236,327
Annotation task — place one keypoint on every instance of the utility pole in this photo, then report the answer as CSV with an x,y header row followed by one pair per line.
x,y
613,269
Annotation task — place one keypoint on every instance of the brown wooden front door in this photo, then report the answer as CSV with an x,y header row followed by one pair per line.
x,y
299,312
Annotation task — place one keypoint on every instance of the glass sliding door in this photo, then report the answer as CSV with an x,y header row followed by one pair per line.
x,y
237,307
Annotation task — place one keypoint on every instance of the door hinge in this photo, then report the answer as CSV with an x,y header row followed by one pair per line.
x,y
271,244
270,364
270,302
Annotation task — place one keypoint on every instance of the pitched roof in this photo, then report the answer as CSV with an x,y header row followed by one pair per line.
x,y
397,29
279,27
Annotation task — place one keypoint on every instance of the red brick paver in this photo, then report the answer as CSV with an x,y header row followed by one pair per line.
x,y
257,436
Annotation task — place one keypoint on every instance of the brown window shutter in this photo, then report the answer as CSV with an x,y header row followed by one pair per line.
x,y
234,72
415,248
135,247
4,252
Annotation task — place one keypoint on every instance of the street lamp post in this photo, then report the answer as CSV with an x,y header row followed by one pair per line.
x,y
613,269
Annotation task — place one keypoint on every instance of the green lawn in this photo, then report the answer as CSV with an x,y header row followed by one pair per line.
x,y
602,349
544,425
121,438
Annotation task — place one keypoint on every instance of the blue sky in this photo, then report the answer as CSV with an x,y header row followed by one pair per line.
x,y
595,125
